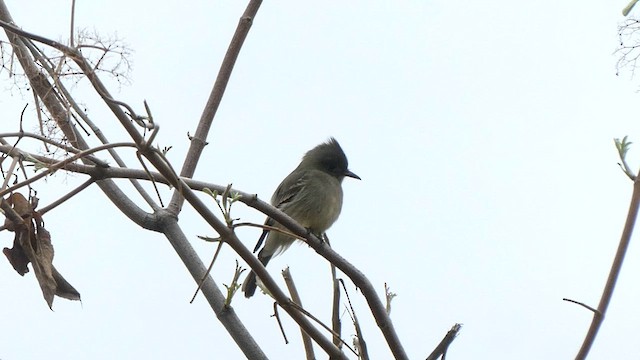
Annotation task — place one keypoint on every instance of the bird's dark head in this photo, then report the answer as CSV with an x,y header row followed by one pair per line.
x,y
329,158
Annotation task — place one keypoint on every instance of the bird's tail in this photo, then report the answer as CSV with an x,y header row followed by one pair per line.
x,y
250,283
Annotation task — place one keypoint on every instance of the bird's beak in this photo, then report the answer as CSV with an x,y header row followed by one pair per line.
x,y
351,175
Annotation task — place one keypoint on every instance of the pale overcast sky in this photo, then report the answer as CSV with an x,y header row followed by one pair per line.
x,y
483,133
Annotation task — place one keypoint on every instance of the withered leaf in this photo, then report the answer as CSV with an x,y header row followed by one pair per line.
x,y
63,288
43,263
17,258
21,206
33,244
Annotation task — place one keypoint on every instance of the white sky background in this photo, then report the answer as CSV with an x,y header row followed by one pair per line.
x,y
483,135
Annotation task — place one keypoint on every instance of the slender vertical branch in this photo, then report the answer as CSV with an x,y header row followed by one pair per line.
x,y
598,316
291,286
73,23
199,139
336,323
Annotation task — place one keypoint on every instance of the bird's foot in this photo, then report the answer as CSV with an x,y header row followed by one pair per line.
x,y
321,236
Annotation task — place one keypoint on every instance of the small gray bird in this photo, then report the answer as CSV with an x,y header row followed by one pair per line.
x,y
311,195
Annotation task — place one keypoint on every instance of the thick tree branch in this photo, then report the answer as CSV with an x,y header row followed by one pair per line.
x,y
226,315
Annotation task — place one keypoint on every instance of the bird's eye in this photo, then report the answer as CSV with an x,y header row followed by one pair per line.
x,y
333,167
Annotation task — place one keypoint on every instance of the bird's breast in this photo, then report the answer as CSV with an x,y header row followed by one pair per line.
x,y
323,205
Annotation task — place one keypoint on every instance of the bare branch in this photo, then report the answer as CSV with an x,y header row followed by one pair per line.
x,y
225,314
61,164
583,305
323,325
363,353
199,139
336,323
12,167
441,349
206,274
629,46
42,87
66,196
72,22
306,340
46,140
607,293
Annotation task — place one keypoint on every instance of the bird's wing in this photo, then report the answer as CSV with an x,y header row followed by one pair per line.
x,y
285,193
289,188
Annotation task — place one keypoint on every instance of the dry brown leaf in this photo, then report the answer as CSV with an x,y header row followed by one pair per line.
x,y
33,244
64,289
17,258
19,205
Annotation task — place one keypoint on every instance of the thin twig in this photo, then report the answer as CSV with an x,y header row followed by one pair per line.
x,y
12,167
336,323
206,274
275,314
581,304
66,196
362,344
62,146
312,317
155,186
270,228
59,165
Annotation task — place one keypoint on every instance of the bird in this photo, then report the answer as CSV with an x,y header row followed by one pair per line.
x,y
311,195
